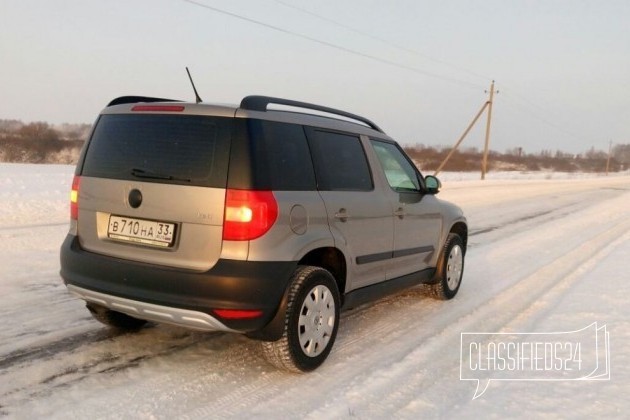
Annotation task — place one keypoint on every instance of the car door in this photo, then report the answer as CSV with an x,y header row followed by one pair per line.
x,y
416,216
359,215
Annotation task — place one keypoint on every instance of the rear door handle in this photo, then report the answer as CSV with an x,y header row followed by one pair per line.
x,y
400,212
342,215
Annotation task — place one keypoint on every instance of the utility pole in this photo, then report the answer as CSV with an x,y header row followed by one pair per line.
x,y
484,162
485,105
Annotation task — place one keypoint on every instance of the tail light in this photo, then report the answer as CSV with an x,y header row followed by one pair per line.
x,y
74,198
248,214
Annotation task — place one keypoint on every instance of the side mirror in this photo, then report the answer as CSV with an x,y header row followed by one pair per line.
x,y
432,184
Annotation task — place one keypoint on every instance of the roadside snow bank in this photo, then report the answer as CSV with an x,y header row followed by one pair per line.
x,y
33,194
520,175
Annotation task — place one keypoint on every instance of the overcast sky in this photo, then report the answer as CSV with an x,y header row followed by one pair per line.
x,y
420,69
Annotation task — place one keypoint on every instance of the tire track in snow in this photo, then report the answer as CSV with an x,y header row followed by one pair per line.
x,y
277,386
571,202
72,360
542,289
219,376
524,319
52,349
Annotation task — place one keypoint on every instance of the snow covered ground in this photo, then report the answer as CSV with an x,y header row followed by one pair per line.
x,y
547,253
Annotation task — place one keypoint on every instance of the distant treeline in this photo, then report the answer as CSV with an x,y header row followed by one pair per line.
x,y
469,159
40,142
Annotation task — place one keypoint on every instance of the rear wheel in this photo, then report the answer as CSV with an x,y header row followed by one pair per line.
x,y
311,322
115,319
450,269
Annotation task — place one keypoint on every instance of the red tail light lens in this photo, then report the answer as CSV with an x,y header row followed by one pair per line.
x,y
74,198
248,214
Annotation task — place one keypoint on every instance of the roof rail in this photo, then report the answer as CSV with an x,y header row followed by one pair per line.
x,y
259,103
134,99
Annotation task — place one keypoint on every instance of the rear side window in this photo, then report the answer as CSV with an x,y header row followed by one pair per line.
x,y
268,155
340,162
287,160
176,149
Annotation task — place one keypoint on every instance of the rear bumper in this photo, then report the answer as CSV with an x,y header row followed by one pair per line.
x,y
165,314
177,296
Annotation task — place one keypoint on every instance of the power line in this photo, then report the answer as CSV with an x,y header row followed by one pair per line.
x,y
408,50
382,40
335,46
416,70
526,103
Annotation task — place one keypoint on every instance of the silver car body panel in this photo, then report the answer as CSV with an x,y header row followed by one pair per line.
x,y
362,226
300,228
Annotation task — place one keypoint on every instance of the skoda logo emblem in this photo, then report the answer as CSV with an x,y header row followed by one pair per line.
x,y
135,198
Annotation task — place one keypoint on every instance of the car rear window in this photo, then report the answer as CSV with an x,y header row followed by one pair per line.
x,y
175,149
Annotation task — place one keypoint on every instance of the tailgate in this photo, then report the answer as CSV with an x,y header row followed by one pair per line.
x,y
174,225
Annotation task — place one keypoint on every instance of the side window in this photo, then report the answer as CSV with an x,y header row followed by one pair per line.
x,y
400,174
280,156
340,162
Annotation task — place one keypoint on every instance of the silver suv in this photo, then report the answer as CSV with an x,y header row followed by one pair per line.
x,y
254,219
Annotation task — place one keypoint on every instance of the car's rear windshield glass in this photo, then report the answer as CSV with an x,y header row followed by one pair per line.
x,y
175,149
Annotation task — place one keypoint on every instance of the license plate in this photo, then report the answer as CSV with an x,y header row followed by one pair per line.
x,y
145,232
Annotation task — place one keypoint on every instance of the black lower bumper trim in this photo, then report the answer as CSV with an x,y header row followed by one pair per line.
x,y
230,284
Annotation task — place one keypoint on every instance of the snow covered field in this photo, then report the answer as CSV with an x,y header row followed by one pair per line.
x,y
547,253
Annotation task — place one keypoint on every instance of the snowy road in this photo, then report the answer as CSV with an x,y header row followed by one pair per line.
x,y
545,255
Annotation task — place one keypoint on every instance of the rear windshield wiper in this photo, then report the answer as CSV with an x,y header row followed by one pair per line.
x,y
142,173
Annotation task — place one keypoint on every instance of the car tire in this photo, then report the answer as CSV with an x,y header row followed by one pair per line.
x,y
114,319
450,269
311,321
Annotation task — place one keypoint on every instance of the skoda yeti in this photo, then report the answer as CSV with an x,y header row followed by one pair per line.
x,y
253,219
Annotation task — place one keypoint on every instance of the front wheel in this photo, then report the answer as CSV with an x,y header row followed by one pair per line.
x,y
450,269
311,322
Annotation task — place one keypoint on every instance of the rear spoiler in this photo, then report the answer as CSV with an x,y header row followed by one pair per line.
x,y
135,99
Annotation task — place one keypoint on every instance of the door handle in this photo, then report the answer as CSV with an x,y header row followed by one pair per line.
x,y
342,215
400,212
